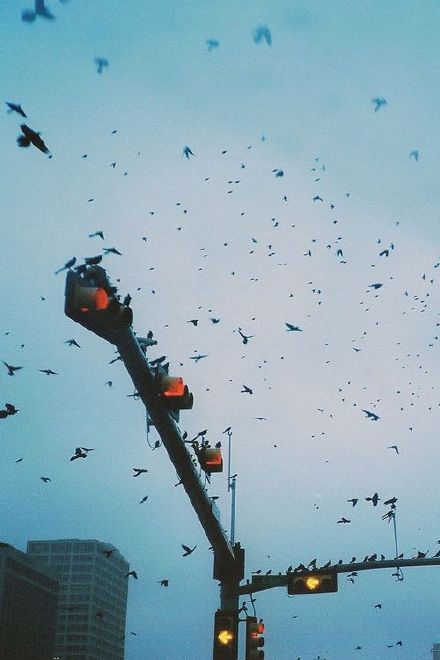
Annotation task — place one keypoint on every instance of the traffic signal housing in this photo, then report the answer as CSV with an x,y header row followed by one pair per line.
x,y
173,392
225,635
92,302
210,459
312,582
254,638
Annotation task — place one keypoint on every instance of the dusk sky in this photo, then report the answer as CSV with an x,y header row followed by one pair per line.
x,y
302,194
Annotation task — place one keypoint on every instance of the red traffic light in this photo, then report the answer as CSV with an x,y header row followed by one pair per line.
x,y
254,639
211,459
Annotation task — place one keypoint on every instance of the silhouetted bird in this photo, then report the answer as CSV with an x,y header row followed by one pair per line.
x,y
212,43
133,574
293,328
112,250
187,550
67,265
101,64
343,520
394,447
139,471
374,499
11,369
31,137
371,415
164,583
29,15
45,479
187,152
196,358
93,261
79,453
245,338
354,501
15,107
144,499
261,33
97,233
247,390
72,342
48,372
413,154
378,102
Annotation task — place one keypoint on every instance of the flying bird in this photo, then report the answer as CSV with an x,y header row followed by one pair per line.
x,y
395,447
45,479
245,338
371,415
354,501
187,152
164,583
374,499
48,372
212,43
29,15
139,471
112,250
187,550
15,107
378,102
67,265
11,369
247,390
101,64
261,33
72,342
79,453
144,499
99,233
343,520
293,328
413,154
196,358
133,574
31,137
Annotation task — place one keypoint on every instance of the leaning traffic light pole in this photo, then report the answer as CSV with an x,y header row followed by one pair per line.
x,y
93,302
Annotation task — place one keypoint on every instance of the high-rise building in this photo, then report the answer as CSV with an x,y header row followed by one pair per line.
x,y
28,607
92,599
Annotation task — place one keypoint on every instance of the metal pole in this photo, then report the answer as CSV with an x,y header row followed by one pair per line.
x,y
233,487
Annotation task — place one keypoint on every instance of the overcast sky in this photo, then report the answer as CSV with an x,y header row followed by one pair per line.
x,y
220,235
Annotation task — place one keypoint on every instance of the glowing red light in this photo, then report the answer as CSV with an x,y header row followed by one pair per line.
x,y
101,299
174,387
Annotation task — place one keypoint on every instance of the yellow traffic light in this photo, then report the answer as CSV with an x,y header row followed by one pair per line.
x,y
225,637
316,582
313,583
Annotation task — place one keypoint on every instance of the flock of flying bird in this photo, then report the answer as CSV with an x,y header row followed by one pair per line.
x,y
30,137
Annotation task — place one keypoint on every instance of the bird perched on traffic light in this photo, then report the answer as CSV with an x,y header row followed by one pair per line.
x,y
31,137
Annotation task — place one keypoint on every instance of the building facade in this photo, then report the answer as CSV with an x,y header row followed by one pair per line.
x,y
28,607
436,651
92,605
